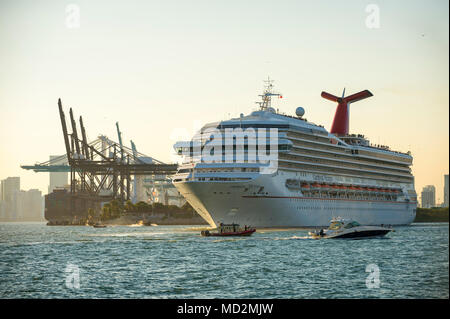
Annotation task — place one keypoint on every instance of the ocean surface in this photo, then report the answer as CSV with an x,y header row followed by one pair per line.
x,y
39,261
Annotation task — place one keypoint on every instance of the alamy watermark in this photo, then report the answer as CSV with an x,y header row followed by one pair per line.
x,y
235,145
373,279
72,276
373,19
72,16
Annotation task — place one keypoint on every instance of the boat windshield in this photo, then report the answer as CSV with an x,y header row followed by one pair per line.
x,y
335,225
352,224
228,228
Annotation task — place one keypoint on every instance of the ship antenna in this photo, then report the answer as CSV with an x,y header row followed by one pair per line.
x,y
267,95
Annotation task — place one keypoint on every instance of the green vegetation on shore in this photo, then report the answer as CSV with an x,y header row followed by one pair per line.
x,y
125,213
116,209
436,214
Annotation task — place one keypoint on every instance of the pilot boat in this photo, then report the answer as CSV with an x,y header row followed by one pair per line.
x,y
348,228
229,230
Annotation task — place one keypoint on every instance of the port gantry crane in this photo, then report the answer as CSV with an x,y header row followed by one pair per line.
x,y
99,170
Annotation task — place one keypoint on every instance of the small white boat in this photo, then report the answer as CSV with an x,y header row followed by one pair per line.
x,y
99,226
347,228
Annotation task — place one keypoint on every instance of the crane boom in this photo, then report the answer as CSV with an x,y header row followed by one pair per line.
x,y
134,198
119,135
74,133
64,128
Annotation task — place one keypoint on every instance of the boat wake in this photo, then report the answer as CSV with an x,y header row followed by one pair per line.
x,y
137,234
290,238
138,224
229,240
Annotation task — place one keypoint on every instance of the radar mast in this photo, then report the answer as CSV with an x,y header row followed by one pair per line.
x,y
267,95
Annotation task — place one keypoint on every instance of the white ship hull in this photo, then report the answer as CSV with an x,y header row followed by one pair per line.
x,y
266,202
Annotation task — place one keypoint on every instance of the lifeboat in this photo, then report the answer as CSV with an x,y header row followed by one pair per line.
x,y
315,186
334,187
305,187
292,183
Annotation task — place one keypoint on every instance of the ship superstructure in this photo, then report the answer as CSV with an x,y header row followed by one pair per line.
x,y
315,175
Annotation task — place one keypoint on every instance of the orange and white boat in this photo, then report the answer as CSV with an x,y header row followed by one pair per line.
x,y
229,230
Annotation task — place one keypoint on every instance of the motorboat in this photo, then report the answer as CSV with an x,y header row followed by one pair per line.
x,y
348,228
229,230
99,226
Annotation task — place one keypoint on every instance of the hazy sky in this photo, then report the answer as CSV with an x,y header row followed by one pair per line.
x,y
161,68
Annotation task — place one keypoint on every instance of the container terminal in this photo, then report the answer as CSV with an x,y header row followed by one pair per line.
x,y
100,171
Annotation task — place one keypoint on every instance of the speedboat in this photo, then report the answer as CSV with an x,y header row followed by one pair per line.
x,y
229,230
348,228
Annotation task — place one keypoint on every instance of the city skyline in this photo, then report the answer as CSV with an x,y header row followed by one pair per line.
x,y
431,200
428,196
162,72
17,204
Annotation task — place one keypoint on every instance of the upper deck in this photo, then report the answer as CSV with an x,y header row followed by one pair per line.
x,y
295,134
270,119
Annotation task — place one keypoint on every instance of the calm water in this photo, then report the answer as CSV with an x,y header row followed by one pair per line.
x,y
175,262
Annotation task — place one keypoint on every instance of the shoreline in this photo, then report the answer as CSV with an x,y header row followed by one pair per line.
x,y
432,215
423,215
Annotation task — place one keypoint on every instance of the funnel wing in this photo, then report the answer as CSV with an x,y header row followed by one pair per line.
x,y
330,97
358,96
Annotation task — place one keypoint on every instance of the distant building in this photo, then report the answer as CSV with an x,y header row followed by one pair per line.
x,y
57,179
157,189
30,207
2,210
10,189
428,196
446,202
19,205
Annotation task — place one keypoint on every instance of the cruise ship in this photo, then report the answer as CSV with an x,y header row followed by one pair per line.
x,y
312,175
